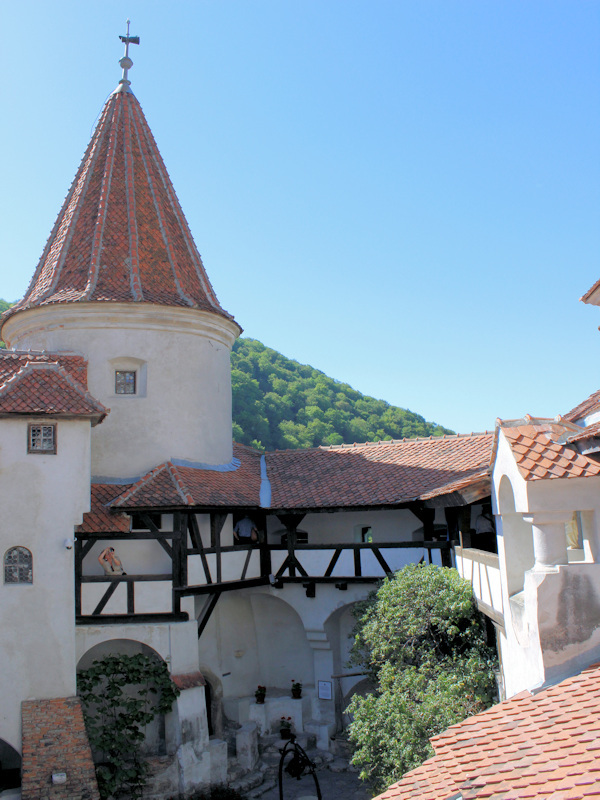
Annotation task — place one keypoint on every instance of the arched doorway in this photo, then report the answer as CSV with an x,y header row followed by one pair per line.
x,y
338,627
517,539
10,768
155,732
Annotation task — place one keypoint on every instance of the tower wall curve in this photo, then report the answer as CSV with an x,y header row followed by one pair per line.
x,y
178,403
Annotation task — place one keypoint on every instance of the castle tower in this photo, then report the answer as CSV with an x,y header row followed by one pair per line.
x,y
121,282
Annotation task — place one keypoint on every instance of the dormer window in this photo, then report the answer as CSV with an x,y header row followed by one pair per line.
x,y
41,439
125,381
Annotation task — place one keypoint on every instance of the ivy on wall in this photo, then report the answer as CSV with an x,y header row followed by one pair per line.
x,y
121,695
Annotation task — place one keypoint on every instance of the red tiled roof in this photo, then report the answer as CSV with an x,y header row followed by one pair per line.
x,y
430,781
100,518
540,747
592,296
591,403
376,473
169,485
41,388
12,361
121,235
591,431
541,451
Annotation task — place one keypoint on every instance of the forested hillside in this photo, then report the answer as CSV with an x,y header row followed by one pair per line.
x,y
279,403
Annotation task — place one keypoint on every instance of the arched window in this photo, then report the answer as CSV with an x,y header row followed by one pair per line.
x,y
18,565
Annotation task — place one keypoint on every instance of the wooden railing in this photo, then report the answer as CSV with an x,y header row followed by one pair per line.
x,y
233,567
172,542
200,570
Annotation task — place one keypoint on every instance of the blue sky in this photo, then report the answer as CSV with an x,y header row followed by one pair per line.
x,y
405,195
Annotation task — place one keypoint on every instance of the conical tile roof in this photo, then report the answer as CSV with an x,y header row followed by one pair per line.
x,y
121,235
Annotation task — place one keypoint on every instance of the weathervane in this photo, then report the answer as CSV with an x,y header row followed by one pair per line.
x,y
126,63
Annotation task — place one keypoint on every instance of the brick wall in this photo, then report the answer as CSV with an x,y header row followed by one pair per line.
x,y
54,740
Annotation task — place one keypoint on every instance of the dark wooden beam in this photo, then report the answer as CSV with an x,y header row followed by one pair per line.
x,y
149,523
120,619
196,539
333,562
112,536
130,597
246,563
382,561
125,578
206,613
86,547
216,526
464,526
217,520
78,574
224,586
105,598
166,547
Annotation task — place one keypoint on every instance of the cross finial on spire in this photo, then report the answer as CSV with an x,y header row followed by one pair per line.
x,y
126,63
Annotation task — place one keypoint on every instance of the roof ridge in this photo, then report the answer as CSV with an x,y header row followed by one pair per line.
x,y
137,485
180,485
348,446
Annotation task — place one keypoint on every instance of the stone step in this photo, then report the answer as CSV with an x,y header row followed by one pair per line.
x,y
248,782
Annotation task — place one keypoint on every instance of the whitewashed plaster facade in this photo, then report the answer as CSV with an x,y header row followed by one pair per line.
x,y
543,594
40,613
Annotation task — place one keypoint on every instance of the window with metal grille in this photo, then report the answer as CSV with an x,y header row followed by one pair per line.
x,y
18,565
124,381
41,439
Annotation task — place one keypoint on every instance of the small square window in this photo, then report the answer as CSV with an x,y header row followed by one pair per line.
x,y
125,381
41,439
366,534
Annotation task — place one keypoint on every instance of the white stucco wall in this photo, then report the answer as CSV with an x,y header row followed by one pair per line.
x,y
548,613
43,497
183,406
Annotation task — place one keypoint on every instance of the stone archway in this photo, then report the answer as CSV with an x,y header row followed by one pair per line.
x,y
10,767
155,734
255,638
338,627
517,538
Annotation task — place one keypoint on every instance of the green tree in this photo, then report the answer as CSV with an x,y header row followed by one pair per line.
x,y
422,642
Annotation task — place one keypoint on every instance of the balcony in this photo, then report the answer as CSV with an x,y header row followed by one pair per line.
x,y
482,570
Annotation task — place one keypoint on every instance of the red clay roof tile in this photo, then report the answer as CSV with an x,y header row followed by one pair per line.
x,y
591,403
384,473
589,432
551,455
121,235
12,361
377,473
169,485
536,746
46,388
100,517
